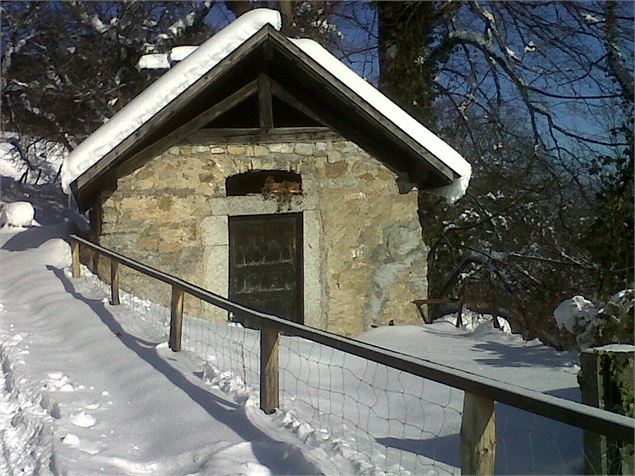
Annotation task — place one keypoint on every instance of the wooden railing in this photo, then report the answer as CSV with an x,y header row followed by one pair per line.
x,y
478,433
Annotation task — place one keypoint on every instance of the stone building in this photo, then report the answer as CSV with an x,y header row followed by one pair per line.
x,y
264,170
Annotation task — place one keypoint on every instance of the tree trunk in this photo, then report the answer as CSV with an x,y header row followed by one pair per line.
x,y
405,29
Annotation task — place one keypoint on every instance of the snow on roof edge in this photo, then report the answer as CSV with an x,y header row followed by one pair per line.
x,y
163,91
426,138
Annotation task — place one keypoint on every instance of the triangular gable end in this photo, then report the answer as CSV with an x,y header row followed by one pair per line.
x,y
271,68
248,114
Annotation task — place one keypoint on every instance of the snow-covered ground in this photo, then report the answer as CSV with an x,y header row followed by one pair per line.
x,y
93,389
90,388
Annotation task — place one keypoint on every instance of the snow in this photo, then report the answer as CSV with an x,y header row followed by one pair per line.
x,y
622,299
98,24
613,348
45,156
154,61
397,116
511,53
202,59
598,323
590,18
17,214
476,323
179,53
163,91
575,314
71,440
87,380
83,420
484,350
57,253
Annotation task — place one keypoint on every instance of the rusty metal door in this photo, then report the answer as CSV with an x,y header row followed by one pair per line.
x,y
266,264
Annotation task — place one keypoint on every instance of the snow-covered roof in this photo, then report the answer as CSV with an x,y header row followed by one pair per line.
x,y
398,116
211,53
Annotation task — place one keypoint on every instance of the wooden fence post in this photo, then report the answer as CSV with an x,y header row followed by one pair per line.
x,y
606,382
478,435
77,270
114,282
269,369
176,318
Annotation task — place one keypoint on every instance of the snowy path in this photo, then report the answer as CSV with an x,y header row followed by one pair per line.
x,y
25,436
109,398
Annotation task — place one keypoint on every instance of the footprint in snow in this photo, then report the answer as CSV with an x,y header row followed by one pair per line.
x,y
60,382
71,440
83,420
87,447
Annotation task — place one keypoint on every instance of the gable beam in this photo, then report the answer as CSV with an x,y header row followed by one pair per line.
x,y
284,95
265,106
325,84
198,122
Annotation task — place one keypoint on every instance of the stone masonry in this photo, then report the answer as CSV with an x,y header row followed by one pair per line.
x,y
364,258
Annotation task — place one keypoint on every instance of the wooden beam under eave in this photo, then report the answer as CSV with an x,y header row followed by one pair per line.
x,y
265,103
193,125
371,137
312,76
284,95
86,196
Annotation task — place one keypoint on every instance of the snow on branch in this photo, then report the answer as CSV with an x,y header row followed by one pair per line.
x,y
191,19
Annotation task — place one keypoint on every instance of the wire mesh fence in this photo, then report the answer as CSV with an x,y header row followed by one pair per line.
x,y
376,417
382,417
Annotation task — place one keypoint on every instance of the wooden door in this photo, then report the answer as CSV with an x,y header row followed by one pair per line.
x,y
266,264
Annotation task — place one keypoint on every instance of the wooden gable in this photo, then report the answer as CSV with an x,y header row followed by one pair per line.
x,y
277,85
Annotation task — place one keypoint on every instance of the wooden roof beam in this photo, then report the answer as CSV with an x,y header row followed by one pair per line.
x,y
284,95
265,106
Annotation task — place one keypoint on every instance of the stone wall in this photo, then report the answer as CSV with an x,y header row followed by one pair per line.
x,y
364,258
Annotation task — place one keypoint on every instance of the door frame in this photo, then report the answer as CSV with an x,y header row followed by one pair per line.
x,y
215,239
299,253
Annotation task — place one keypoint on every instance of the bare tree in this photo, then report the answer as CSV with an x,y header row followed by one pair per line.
x,y
69,66
537,96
